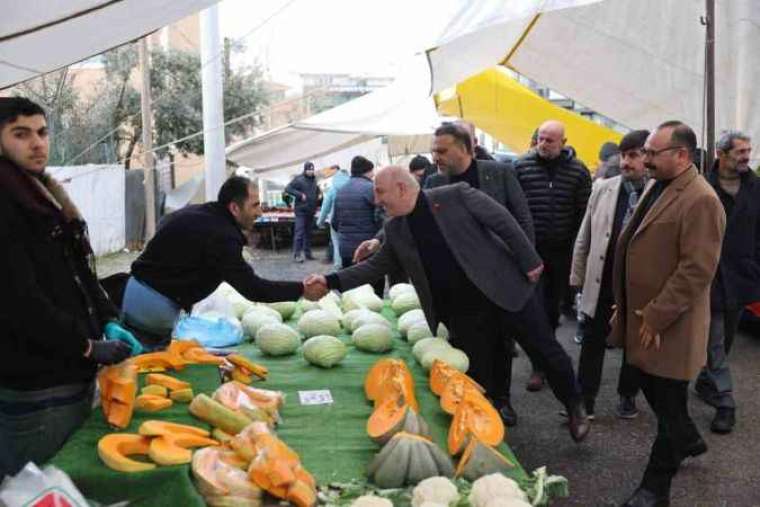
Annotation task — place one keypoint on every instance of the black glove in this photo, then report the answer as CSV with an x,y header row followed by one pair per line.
x,y
109,352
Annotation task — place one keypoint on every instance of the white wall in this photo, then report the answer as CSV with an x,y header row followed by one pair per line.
x,y
98,192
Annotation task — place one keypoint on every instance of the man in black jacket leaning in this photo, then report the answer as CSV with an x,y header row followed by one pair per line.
x,y
53,312
306,193
194,250
557,186
737,280
453,154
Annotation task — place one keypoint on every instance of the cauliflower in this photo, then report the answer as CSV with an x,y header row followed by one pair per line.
x,y
435,490
371,501
495,490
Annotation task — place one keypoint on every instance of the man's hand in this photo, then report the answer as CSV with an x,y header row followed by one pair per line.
x,y
115,331
314,287
365,249
108,352
647,334
535,273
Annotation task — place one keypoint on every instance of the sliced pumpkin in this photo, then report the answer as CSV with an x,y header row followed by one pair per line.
x,y
205,464
454,391
151,403
393,416
243,362
239,375
167,381
301,494
390,378
154,428
182,395
163,359
441,372
174,449
217,415
118,388
475,416
155,390
408,459
479,459
114,449
201,356
179,347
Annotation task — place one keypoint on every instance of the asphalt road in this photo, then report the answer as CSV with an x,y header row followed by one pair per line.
x,y
607,467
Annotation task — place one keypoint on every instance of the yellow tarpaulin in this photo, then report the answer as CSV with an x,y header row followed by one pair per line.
x,y
510,112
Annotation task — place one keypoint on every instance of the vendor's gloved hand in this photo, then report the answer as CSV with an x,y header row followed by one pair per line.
x,y
108,352
114,331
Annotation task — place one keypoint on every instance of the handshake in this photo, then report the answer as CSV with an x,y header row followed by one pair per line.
x,y
315,287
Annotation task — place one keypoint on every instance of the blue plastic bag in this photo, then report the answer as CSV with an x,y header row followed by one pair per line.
x,y
214,332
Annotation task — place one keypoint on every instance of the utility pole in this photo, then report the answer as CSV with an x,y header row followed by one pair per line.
x,y
147,141
709,85
213,106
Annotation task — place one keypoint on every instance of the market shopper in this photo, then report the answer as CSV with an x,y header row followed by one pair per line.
x,y
737,280
327,211
306,193
356,217
194,250
665,260
53,312
557,186
476,296
478,152
610,207
453,154
421,168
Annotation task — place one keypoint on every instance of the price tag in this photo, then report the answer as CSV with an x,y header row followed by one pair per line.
x,y
317,397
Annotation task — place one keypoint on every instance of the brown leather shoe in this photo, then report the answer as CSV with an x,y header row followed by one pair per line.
x,y
535,382
578,422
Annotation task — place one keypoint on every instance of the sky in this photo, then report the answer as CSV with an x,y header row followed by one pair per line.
x,y
366,37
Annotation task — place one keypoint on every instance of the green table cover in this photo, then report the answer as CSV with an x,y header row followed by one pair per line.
x,y
331,439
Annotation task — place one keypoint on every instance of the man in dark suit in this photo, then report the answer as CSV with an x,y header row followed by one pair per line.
x,y
454,155
476,296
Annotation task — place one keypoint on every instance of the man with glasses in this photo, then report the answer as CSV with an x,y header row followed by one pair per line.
x,y
737,281
665,260
610,208
194,250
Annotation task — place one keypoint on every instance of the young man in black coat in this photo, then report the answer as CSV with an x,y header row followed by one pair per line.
x,y
306,193
53,312
737,280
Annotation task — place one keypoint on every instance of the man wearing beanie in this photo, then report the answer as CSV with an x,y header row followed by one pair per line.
x,y
356,218
305,191
610,206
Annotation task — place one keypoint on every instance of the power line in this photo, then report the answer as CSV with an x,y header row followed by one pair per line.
x,y
203,64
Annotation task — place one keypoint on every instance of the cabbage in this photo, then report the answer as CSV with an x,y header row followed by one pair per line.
x,y
331,303
361,297
316,322
307,306
369,318
265,309
373,338
351,315
451,356
400,288
277,339
427,344
286,309
325,351
405,302
240,305
408,319
443,331
417,331
254,319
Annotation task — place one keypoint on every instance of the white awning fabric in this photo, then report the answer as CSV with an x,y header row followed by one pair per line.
x,y
46,35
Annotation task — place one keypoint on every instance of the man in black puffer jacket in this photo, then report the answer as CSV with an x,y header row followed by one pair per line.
x,y
557,186
356,218
305,191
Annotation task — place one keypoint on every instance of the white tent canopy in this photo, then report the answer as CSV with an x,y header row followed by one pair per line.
x,y
46,35
638,62
403,111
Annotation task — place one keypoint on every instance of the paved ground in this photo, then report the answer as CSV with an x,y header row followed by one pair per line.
x,y
606,468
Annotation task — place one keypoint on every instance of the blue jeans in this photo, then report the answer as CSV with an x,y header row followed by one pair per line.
x,y
302,235
34,425
149,313
335,237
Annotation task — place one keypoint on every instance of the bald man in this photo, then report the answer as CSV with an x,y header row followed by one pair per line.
x,y
476,293
478,152
557,186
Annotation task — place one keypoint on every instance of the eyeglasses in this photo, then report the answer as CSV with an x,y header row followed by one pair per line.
x,y
654,153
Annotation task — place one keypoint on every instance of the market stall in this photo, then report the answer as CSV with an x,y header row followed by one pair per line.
x,y
324,420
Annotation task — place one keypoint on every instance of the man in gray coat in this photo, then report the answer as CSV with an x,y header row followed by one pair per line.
x,y
476,296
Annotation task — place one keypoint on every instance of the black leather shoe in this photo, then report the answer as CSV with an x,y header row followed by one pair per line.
x,y
508,414
724,421
645,498
578,422
696,448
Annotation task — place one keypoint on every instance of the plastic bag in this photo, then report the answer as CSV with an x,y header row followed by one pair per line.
x,y
32,487
209,330
217,303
